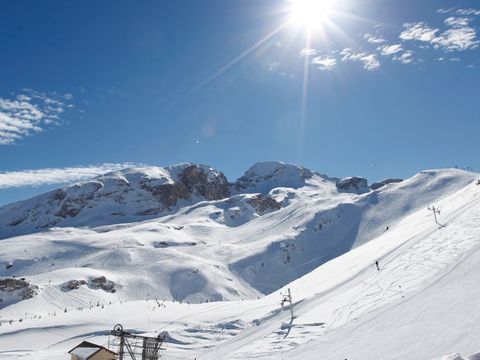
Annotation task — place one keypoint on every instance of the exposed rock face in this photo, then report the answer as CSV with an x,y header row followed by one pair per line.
x,y
264,204
194,180
352,183
73,284
12,290
378,185
122,196
102,283
210,187
94,283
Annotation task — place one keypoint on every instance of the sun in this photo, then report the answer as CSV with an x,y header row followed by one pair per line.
x,y
310,14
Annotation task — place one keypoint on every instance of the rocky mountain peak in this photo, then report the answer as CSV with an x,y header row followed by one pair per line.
x,y
121,196
264,176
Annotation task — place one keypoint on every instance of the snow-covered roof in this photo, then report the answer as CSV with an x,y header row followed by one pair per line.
x,y
85,352
86,349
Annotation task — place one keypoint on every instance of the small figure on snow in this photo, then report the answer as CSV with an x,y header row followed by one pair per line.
x,y
388,228
378,266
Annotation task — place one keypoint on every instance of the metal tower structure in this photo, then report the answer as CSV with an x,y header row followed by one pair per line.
x,y
136,347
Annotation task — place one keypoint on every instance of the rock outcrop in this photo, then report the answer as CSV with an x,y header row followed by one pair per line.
x,y
264,204
97,283
352,183
380,184
122,196
13,290
193,180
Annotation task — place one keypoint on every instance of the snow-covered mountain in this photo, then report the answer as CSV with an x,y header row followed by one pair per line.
x,y
122,196
184,233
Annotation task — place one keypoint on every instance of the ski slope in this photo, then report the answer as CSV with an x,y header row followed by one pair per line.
x,y
418,269
422,304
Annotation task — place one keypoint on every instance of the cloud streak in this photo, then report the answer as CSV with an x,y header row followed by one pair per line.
x,y
462,12
391,49
369,60
30,113
372,39
50,176
325,63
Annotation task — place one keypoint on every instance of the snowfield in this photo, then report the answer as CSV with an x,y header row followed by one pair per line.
x,y
211,271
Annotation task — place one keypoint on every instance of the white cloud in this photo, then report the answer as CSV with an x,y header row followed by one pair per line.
x,y
369,61
444,11
325,63
308,52
23,178
405,58
397,52
27,114
391,49
372,39
457,39
457,21
419,32
468,12
462,12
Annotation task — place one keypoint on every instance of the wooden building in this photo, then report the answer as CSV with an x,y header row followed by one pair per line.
x,y
90,351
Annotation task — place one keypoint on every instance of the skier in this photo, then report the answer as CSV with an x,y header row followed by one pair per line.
x,y
376,264
388,228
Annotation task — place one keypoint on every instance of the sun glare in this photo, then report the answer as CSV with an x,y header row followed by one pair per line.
x,y
310,13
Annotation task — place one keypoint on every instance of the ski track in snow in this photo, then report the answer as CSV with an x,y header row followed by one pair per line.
x,y
403,271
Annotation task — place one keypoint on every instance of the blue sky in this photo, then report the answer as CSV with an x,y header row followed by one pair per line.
x,y
393,87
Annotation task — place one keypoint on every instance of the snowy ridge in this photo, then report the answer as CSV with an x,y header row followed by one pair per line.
x,y
128,195
319,242
265,176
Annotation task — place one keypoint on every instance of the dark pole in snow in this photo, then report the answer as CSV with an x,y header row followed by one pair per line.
x,y
122,343
291,304
435,212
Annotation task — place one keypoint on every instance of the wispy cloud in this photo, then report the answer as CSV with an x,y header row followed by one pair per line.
x,y
325,63
457,21
462,12
372,39
405,57
391,49
458,38
369,60
50,176
30,113
397,53
419,32
419,43
308,52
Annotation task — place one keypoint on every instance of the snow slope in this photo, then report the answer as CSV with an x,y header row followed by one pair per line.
x,y
128,195
321,242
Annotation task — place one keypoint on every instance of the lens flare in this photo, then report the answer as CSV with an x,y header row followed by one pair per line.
x,y
311,14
